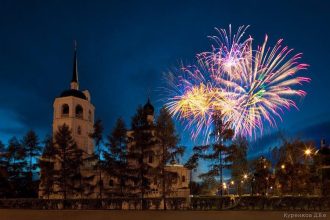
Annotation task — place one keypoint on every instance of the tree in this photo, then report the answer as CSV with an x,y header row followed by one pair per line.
x,y
97,137
217,153
260,168
142,142
2,150
32,150
209,185
47,169
192,162
293,171
116,155
195,188
69,159
168,140
237,156
16,167
4,184
320,166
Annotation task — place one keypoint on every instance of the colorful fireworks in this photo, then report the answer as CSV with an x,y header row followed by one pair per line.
x,y
249,87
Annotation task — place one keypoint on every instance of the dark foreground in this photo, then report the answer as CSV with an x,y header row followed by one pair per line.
x,y
19,214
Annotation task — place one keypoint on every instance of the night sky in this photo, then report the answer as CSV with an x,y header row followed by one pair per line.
x,y
125,47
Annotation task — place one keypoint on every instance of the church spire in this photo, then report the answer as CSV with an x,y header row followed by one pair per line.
x,y
74,81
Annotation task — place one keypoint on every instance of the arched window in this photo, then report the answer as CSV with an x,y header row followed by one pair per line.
x,y
111,183
183,179
79,130
65,110
89,115
79,111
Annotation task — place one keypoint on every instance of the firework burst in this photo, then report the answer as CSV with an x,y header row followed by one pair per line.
x,y
247,86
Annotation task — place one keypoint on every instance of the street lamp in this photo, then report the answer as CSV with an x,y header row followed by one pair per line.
x,y
308,152
245,177
283,166
231,184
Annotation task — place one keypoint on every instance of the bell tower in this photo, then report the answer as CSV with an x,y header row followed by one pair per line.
x,y
74,108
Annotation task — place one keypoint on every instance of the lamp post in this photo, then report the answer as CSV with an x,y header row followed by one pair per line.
x,y
308,152
245,177
232,183
224,186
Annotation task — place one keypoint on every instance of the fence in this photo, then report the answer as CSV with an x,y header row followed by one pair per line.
x,y
293,203
261,203
110,204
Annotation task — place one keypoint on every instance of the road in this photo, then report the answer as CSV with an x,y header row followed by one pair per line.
x,y
19,214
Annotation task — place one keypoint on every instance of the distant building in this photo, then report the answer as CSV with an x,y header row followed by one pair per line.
x,y
324,167
74,108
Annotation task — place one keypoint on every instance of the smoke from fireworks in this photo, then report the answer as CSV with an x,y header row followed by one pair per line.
x,y
247,86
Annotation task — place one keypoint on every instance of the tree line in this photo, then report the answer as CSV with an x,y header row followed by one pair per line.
x,y
292,168
18,166
27,162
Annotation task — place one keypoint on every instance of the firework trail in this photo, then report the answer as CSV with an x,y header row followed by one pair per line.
x,y
247,86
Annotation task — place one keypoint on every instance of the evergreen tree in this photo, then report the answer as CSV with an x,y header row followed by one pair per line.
x,y
16,168
217,153
237,156
69,159
168,139
32,150
4,184
97,137
142,144
193,161
192,164
2,150
47,169
116,156
260,168
209,185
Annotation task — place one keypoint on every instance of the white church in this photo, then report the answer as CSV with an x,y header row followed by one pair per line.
x,y
74,108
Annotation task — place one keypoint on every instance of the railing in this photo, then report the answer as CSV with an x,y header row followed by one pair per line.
x,y
261,203
196,203
109,204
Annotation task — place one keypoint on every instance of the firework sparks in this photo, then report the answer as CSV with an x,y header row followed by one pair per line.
x,y
248,86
